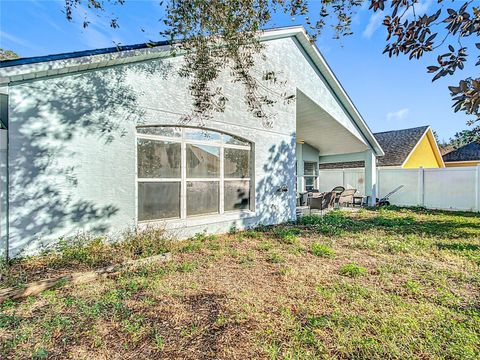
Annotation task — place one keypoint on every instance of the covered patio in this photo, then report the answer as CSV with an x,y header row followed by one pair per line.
x,y
337,135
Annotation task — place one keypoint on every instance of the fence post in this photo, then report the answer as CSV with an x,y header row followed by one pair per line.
x,y
377,185
477,188
421,186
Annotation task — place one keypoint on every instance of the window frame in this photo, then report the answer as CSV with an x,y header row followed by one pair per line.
x,y
183,140
314,176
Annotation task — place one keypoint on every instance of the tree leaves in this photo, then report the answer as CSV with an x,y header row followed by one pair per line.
x,y
7,55
218,35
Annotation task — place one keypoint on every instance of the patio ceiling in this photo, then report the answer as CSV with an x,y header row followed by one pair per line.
x,y
318,128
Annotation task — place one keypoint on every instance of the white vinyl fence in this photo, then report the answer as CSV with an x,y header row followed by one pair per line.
x,y
447,188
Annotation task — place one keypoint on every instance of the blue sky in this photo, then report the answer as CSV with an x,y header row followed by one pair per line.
x,y
389,93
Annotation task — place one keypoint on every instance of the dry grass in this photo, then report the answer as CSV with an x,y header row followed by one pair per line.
x,y
278,293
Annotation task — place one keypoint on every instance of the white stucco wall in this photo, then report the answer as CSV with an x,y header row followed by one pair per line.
x,y
72,149
72,165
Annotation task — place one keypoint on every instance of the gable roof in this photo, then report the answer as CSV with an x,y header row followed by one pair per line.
x,y
51,65
469,152
397,145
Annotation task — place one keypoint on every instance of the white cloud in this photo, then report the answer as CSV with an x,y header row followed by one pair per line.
x,y
420,9
398,115
18,41
373,24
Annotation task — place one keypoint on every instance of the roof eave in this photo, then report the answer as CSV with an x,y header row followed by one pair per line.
x,y
108,57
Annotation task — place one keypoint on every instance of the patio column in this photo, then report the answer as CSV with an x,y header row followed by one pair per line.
x,y
371,177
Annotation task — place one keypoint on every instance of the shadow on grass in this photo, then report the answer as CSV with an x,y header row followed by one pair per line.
x,y
459,247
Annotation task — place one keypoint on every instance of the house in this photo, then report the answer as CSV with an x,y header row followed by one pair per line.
x,y
95,142
467,155
406,149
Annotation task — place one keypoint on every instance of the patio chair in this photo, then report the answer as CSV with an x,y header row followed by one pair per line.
x,y
322,202
346,197
338,190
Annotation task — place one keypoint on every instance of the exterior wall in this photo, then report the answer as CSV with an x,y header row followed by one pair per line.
x,y
305,153
310,154
461,163
72,162
423,155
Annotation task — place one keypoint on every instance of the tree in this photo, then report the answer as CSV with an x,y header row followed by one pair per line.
x,y
464,137
7,55
221,34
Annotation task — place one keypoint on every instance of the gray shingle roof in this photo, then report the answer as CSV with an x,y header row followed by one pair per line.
x,y
397,145
467,152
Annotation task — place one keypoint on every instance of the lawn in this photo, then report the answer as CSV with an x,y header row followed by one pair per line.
x,y
391,283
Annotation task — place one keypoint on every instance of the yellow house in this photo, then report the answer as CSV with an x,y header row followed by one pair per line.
x,y
406,149
467,155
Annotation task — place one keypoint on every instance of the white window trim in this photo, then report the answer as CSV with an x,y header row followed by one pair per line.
x,y
183,180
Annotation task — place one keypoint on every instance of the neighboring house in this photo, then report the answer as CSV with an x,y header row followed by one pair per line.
x,y
95,143
406,149
467,155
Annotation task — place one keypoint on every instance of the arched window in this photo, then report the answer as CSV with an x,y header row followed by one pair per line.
x,y
184,172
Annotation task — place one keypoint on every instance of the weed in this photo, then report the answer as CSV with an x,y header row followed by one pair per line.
x,y
322,250
352,270
265,245
275,258
186,267
286,235
251,234
412,286
284,270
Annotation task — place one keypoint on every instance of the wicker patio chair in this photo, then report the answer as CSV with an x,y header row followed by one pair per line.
x,y
346,198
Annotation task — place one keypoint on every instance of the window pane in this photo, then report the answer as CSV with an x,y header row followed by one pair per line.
x,y
227,139
158,159
237,195
203,161
237,163
158,200
310,182
202,197
161,130
310,168
203,135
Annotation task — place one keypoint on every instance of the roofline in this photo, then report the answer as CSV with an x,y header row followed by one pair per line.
x,y
389,131
101,51
463,161
439,153
312,50
51,65
458,149
78,54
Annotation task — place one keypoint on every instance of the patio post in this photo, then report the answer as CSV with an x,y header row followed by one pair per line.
x,y
371,177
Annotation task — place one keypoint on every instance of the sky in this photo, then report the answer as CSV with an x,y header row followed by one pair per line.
x,y
390,93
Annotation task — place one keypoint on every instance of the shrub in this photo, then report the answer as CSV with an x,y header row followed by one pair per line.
x,y
352,270
322,250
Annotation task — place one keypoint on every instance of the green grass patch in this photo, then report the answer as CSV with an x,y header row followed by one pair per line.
x,y
352,270
322,250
